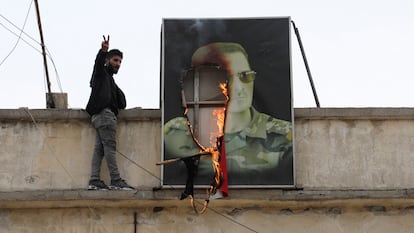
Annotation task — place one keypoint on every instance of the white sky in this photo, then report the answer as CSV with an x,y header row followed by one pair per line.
x,y
359,52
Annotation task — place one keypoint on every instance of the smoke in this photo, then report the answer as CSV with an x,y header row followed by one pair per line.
x,y
208,30
181,38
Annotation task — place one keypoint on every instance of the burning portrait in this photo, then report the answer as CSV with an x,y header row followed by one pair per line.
x,y
226,101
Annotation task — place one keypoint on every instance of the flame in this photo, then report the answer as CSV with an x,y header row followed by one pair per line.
x,y
214,149
215,161
221,113
223,87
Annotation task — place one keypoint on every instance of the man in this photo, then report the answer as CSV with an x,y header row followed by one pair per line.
x,y
105,100
258,146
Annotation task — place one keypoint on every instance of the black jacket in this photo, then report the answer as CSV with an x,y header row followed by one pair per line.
x,y
105,93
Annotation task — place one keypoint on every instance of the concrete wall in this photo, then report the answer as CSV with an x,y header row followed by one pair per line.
x,y
52,149
371,149
178,219
353,174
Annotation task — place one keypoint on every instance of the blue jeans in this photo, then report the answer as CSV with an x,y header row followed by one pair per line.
x,y
105,124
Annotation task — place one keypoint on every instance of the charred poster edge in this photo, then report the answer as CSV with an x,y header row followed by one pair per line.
x,y
162,103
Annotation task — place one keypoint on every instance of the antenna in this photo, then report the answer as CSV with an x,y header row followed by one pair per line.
x,y
49,98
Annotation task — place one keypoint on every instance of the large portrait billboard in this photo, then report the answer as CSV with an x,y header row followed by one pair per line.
x,y
227,82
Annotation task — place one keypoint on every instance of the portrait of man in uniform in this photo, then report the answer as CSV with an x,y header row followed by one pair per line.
x,y
258,123
257,144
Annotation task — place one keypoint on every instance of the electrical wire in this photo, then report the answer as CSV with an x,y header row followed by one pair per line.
x,y
97,216
49,55
54,67
47,145
136,164
158,178
21,32
60,87
8,29
57,75
60,163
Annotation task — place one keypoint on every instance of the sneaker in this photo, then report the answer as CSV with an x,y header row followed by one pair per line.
x,y
120,185
97,185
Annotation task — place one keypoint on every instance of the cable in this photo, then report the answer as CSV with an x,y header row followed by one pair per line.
x,y
56,72
139,166
143,168
97,216
48,52
10,22
232,220
21,38
47,145
21,32
61,164
215,211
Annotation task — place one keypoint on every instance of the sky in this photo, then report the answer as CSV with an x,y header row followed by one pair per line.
x,y
359,51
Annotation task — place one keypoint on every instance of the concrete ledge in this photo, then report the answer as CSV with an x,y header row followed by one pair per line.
x,y
293,199
25,114
354,113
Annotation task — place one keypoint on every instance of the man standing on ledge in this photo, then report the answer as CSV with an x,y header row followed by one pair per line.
x,y
104,102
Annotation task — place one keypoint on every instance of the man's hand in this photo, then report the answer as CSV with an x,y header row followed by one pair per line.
x,y
105,44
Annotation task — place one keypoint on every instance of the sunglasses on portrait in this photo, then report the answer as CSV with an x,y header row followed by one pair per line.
x,y
247,76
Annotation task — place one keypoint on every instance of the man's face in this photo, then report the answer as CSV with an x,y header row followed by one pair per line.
x,y
114,63
240,90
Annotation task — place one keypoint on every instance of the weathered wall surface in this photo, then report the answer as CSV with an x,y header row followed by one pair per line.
x,y
355,148
176,219
355,154
353,174
53,149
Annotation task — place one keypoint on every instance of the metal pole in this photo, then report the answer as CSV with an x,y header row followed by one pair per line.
x,y
49,99
135,222
306,64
